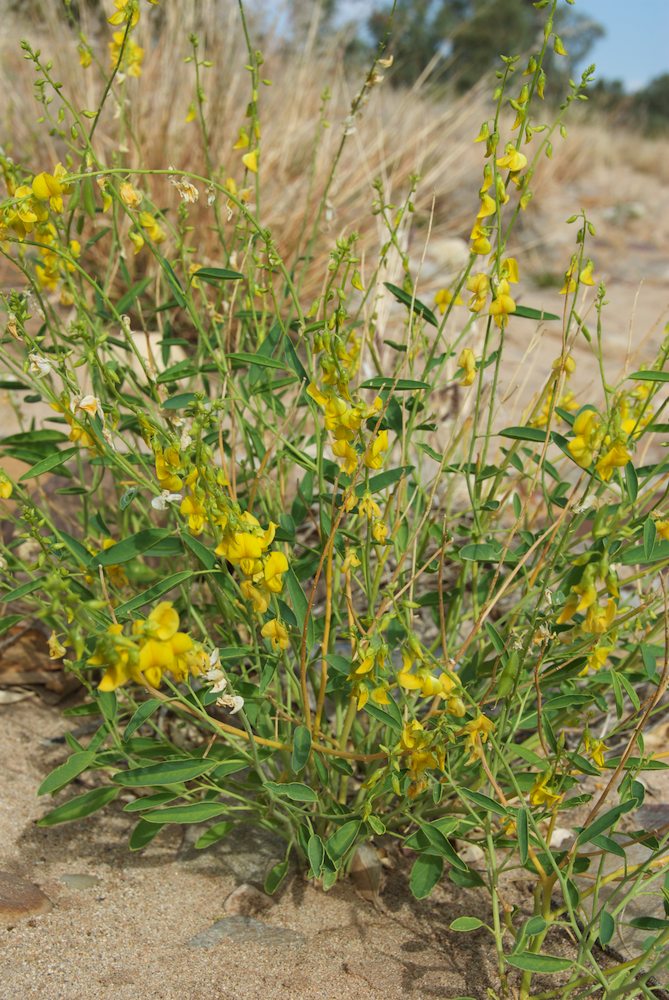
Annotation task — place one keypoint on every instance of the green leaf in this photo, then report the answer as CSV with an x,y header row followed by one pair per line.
x,y
258,360
485,802
631,481
169,772
316,854
204,555
438,842
130,547
525,312
179,401
398,384
607,926
142,834
649,923
197,812
301,748
604,822
649,538
275,877
524,433
413,303
650,376
9,621
213,834
389,714
464,924
384,479
65,773
79,806
25,588
339,842
182,369
154,592
481,552
522,831
300,604
140,716
49,463
295,790
425,873
145,802
529,962
214,274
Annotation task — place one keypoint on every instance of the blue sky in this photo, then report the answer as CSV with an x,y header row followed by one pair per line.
x,y
636,45
635,48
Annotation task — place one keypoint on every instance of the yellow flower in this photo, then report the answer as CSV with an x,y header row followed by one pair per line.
x,y
467,362
375,452
615,458
480,242
595,748
243,140
369,507
6,488
275,566
342,449
581,447
379,532
512,160
250,161
443,299
277,633
163,621
502,305
477,731
662,527
541,794
133,54
137,240
152,227
168,464
126,10
129,195
195,511
56,649
599,619
479,284
488,207
509,270
50,187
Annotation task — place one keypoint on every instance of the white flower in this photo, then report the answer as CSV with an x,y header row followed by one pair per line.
x,y
233,702
91,404
216,677
165,498
39,365
186,190
185,441
214,658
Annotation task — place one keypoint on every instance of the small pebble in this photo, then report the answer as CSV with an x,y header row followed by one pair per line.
x,y
246,900
240,928
79,881
20,898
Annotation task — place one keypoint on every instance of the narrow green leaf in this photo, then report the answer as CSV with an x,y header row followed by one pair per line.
x,y
301,748
649,538
179,401
464,924
79,806
214,274
197,812
169,772
145,802
275,877
146,709
49,463
607,926
413,303
524,434
172,280
9,621
25,588
258,360
316,854
130,547
649,923
529,962
295,790
631,481
142,834
650,376
425,873
522,831
399,384
154,592
605,821
213,834
339,842
526,312
65,773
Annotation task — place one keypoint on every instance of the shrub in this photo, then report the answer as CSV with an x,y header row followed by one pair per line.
x,y
295,594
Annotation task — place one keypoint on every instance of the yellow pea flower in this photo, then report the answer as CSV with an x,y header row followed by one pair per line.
x,y
502,305
130,196
150,225
277,633
163,621
375,452
443,299
512,160
6,488
615,458
480,243
467,362
50,187
479,284
250,161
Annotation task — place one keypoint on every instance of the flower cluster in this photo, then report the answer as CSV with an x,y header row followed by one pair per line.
x,y
154,647
245,545
609,441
